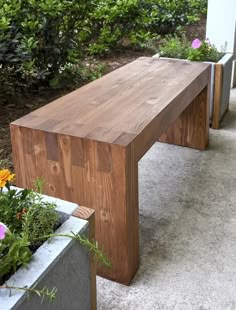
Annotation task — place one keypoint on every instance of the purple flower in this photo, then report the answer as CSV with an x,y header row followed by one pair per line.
x,y
196,43
3,230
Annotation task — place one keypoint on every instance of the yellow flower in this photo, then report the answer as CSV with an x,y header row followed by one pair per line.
x,y
5,175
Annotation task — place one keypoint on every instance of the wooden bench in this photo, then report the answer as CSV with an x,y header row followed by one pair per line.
x,y
87,144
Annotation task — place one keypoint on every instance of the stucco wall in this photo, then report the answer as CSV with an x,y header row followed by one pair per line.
x,y
221,27
221,23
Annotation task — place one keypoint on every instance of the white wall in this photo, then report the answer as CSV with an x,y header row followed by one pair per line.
x,y
221,27
221,24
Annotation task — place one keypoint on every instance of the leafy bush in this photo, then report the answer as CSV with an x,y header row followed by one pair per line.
x,y
135,22
173,13
18,253
28,217
39,38
44,42
120,22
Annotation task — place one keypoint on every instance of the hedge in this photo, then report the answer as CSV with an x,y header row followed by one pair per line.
x,y
43,42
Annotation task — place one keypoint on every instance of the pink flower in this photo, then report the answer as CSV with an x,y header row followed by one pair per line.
x,y
3,231
196,43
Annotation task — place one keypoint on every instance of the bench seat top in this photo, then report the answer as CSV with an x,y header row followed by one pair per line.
x,y
117,107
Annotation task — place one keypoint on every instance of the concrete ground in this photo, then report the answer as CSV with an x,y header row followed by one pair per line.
x,y
187,229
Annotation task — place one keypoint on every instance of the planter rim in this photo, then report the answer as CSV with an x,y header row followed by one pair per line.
x,y
226,57
45,256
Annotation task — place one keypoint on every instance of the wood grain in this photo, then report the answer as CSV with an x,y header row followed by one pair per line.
x,y
102,110
87,144
218,80
191,129
89,215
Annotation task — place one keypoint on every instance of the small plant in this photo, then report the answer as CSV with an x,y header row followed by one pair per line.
x,y
174,47
203,51
14,251
180,47
26,221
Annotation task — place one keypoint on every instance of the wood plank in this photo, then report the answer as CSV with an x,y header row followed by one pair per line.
x,y
110,187
140,90
217,96
168,116
112,190
191,129
89,215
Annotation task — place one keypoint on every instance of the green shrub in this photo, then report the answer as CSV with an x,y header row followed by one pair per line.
x,y
173,13
118,23
38,38
134,22
44,42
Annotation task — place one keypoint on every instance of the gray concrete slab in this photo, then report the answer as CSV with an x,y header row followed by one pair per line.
x,y
187,229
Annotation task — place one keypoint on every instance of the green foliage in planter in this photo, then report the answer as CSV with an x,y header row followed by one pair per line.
x,y
26,221
24,211
14,252
28,218
206,52
180,47
174,47
40,217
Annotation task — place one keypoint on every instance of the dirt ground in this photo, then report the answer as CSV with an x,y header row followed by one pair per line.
x,y
13,111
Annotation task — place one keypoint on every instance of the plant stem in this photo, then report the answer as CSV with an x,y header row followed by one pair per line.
x,y
41,293
99,254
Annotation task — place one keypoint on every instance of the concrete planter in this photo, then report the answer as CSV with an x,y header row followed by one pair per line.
x,y
62,263
220,88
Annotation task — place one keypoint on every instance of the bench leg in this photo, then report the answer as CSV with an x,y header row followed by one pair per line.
x,y
109,184
191,129
97,175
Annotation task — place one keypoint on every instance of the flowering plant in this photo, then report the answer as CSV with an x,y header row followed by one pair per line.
x,y
203,51
5,177
197,50
3,231
26,221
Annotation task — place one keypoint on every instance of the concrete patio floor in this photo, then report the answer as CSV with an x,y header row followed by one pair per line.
x,y
187,229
